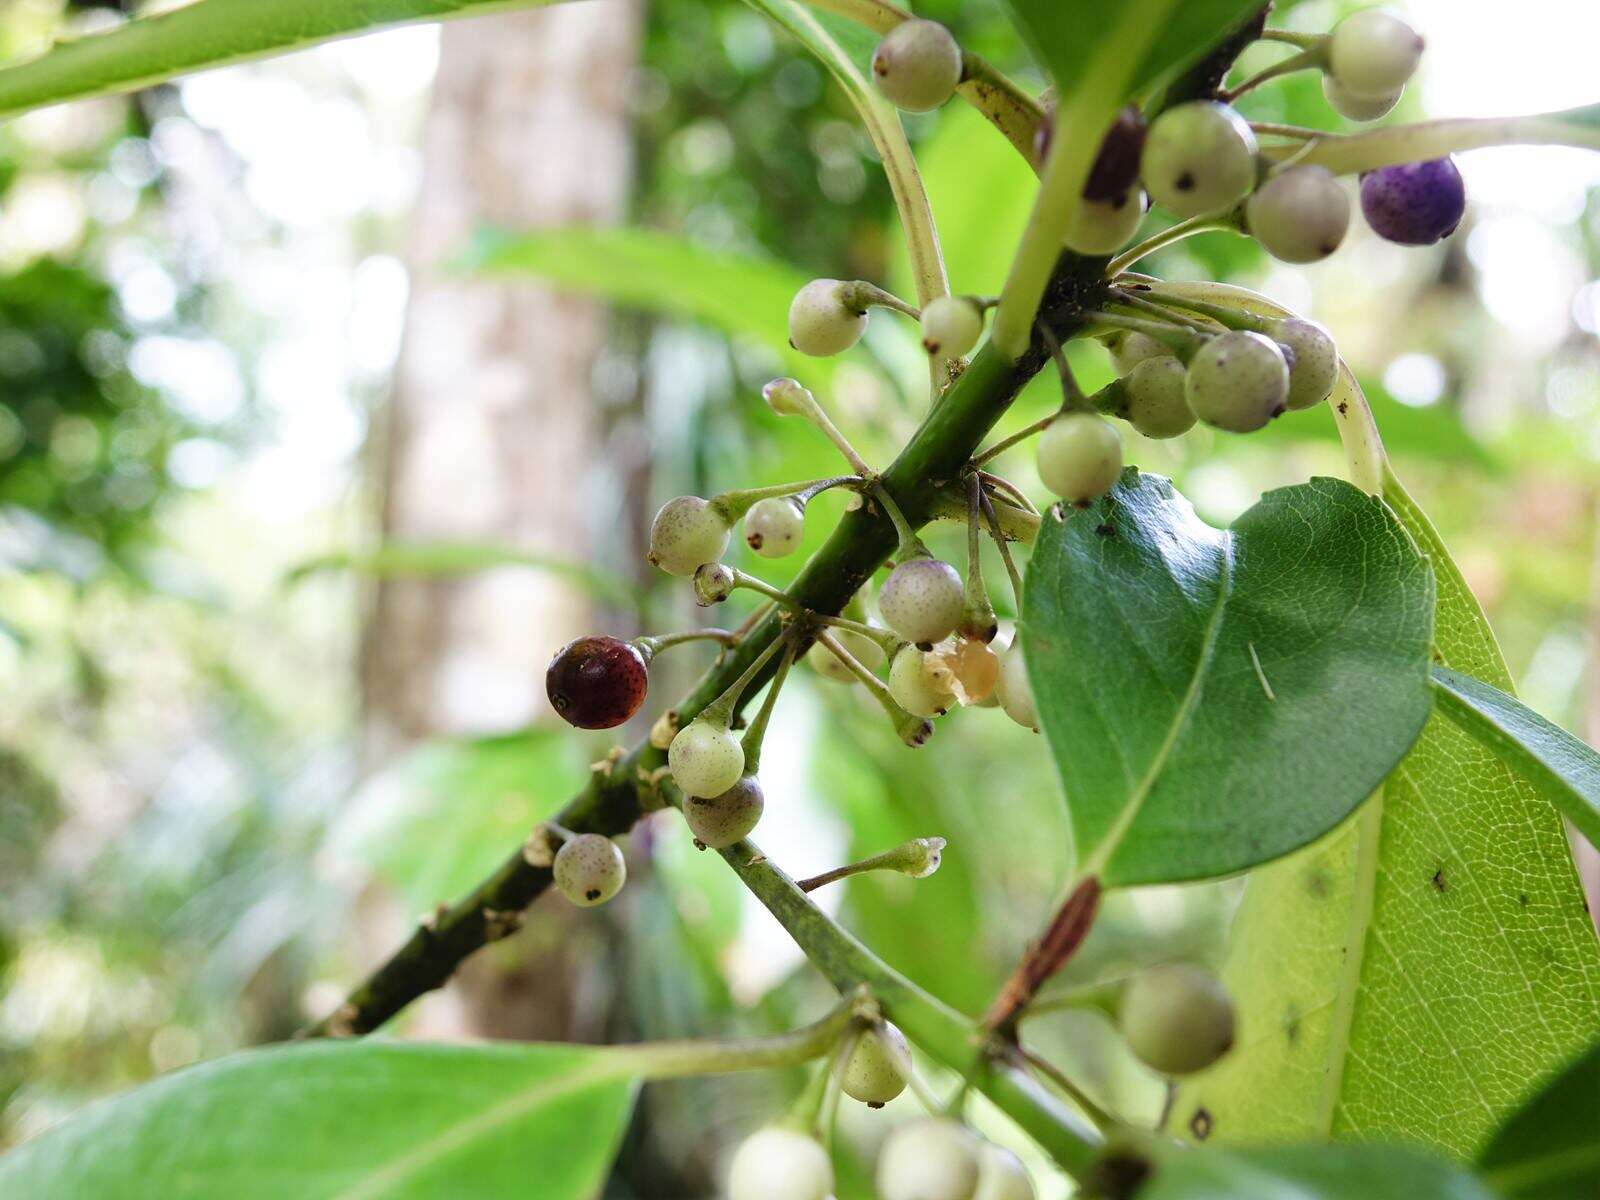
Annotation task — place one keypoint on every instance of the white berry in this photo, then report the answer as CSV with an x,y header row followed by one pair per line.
x,y
1299,216
951,326
589,869
705,759
1316,361
686,533
931,1159
773,527
1129,348
1105,226
922,600
863,649
1015,690
1079,457
1358,108
917,65
1001,1175
1238,381
719,821
1199,157
915,687
1177,1018
820,323
1373,53
875,1072
780,1164
713,583
1156,405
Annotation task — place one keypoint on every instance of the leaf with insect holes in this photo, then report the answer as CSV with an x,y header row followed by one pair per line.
x,y
1217,699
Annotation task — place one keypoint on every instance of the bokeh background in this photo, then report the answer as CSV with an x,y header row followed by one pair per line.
x,y
306,469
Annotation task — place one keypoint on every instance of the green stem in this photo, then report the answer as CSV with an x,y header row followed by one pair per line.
x,y
1017,497
1303,40
720,711
757,732
911,546
883,637
652,646
1232,318
1182,340
735,504
1273,129
977,613
1141,304
715,1056
1312,58
918,858
913,730
858,295
1005,552
1397,144
1204,223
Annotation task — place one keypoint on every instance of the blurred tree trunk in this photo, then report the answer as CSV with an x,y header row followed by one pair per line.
x,y
491,425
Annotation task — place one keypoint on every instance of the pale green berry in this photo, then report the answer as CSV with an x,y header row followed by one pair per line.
x,y
1238,381
1315,369
1106,226
780,1164
1129,348
1177,1018
1001,1175
589,869
1299,216
821,323
788,398
931,1159
1156,405
1373,53
922,600
1015,690
915,687
1358,108
917,65
686,533
718,821
1080,457
863,649
773,527
705,759
1200,157
713,583
876,1071
951,326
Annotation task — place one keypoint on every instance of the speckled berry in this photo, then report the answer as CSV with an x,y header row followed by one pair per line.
x,y
1105,226
1358,108
589,869
931,1159
922,600
1238,381
1316,361
875,1072
863,649
1015,690
1001,1175
951,326
1177,1018
713,583
821,324
917,65
1079,457
780,1164
686,533
1373,53
773,527
1415,204
1116,166
1300,215
597,682
1200,157
1156,404
705,759
718,821
1129,348
915,686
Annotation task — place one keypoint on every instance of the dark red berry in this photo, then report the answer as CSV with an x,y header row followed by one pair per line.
x,y
1116,167
1414,204
597,682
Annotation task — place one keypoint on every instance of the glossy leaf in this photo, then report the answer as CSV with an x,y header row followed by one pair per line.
x,y
207,34
352,1121
1550,1149
1311,1173
1411,976
1217,699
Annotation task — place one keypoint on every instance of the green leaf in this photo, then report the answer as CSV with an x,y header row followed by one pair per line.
x,y
352,1121
207,34
1563,770
1550,1149
1412,975
1214,700
1311,1173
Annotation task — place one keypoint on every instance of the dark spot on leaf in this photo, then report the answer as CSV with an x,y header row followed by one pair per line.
x,y
1291,1025
1343,408
1317,884
1438,880
1523,899
1201,1124
1106,531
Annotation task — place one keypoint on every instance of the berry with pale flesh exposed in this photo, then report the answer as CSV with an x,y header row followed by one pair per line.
x,y
915,686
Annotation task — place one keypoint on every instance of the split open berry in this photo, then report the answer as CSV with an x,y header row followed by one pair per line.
x,y
705,758
1001,1175
1373,53
916,686
863,649
1300,215
917,65
719,821
1177,1018
597,682
966,667
1129,348
875,1073
1105,226
821,323
686,533
1200,157
1358,108
1315,368
922,600
1414,204
931,1159
1116,166
773,527
1238,381
951,326
1156,404
780,1164
1015,690
1079,457
589,869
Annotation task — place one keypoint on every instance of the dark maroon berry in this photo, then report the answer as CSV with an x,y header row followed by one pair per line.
x,y
1116,168
1415,204
597,682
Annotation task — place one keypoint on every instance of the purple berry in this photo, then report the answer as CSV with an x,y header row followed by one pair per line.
x,y
597,682
1415,204
1116,167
